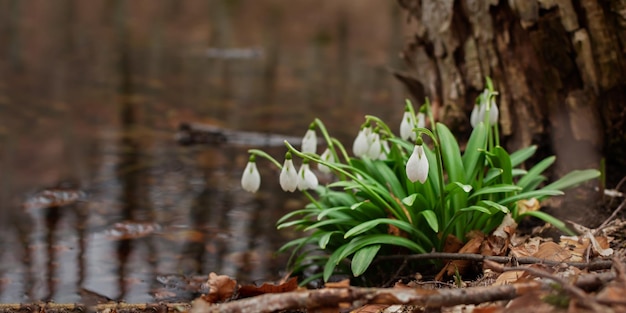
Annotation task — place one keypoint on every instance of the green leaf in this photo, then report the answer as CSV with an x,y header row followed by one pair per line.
x,y
476,208
331,211
364,227
551,220
343,222
455,186
363,258
519,156
410,199
325,238
503,161
472,157
450,154
333,261
360,242
431,219
382,173
535,171
492,174
294,213
495,189
293,223
531,194
496,206
573,178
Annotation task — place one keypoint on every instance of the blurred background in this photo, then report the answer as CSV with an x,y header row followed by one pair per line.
x,y
91,96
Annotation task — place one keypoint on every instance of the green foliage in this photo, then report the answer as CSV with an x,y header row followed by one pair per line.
x,y
373,208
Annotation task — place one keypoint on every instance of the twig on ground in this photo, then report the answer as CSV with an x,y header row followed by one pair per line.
x,y
613,215
354,296
593,265
574,291
81,308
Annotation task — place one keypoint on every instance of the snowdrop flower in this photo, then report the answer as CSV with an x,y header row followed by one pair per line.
x,y
479,111
474,117
417,166
407,125
328,157
385,146
288,175
375,147
361,146
251,179
493,112
306,178
421,122
309,142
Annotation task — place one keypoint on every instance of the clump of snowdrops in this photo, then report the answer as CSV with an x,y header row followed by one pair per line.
x,y
405,193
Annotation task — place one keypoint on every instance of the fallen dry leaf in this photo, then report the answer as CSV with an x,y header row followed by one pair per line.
x,y
508,278
553,252
253,290
498,242
472,246
221,288
340,284
528,205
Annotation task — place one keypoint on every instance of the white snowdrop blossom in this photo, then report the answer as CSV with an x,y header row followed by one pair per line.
x,y
251,179
407,125
375,147
328,157
306,178
421,121
360,147
417,166
479,111
493,112
288,175
309,142
474,117
385,146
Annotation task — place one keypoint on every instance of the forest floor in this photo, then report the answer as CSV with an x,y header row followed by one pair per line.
x,y
515,270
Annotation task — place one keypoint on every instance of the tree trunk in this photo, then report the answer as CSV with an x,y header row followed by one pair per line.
x,y
558,64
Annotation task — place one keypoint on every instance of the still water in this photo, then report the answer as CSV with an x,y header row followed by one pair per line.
x,y
92,95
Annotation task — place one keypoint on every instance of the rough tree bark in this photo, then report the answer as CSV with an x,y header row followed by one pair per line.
x,y
558,64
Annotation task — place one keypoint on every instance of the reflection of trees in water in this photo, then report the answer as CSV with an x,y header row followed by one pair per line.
x,y
134,182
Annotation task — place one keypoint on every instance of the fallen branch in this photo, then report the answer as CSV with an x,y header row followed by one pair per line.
x,y
592,266
584,299
105,307
354,296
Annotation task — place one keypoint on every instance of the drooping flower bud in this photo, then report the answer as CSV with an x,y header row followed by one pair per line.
x,y
251,179
375,147
309,141
417,165
493,112
288,178
306,177
407,125
361,146
328,157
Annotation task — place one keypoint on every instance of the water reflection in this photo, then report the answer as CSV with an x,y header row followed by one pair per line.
x,y
93,94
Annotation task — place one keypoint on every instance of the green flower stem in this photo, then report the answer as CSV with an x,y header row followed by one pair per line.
x,y
429,111
316,158
446,214
344,153
379,122
324,132
264,155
